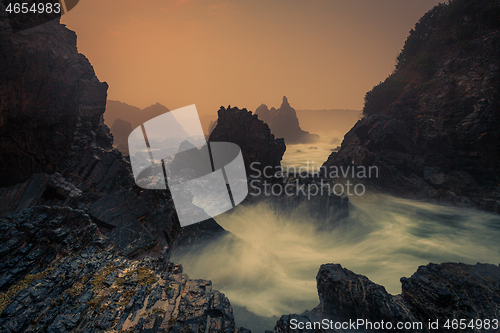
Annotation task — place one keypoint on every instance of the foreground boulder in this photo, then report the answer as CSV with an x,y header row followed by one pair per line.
x,y
59,273
438,294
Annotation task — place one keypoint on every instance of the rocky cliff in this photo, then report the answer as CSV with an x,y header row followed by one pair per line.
x,y
51,102
71,217
284,123
253,136
432,125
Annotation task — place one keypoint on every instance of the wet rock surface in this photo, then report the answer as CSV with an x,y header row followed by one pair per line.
x,y
434,292
59,273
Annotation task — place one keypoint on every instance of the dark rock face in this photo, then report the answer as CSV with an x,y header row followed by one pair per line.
x,y
432,126
56,125
284,123
454,291
257,144
40,189
434,292
346,295
58,273
121,211
54,139
71,216
51,102
115,208
120,130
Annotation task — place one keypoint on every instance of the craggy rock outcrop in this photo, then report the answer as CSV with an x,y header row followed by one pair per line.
x,y
116,209
71,216
454,291
252,135
284,123
258,144
51,102
120,130
346,295
434,292
432,125
51,122
40,189
58,273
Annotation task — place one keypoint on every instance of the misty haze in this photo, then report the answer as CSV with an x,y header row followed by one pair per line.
x,y
366,134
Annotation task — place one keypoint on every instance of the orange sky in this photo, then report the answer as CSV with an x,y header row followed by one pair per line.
x,y
321,54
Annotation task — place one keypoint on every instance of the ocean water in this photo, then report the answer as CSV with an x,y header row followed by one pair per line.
x,y
268,265
311,154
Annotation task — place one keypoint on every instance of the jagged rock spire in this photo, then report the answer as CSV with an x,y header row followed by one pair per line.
x,y
285,102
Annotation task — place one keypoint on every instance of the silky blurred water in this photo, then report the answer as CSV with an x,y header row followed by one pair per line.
x,y
269,266
312,154
271,270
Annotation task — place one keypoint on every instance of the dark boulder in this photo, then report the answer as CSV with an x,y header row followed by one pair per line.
x,y
59,273
252,135
435,293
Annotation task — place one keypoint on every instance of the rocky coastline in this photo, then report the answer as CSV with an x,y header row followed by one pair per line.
x,y
84,249
432,126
